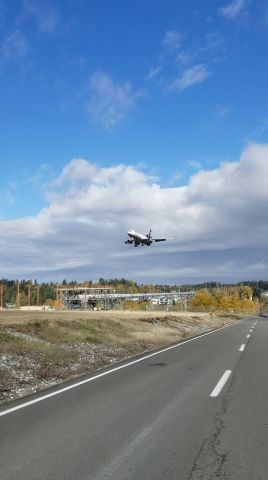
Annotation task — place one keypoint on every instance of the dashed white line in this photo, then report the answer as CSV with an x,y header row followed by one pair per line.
x,y
221,383
248,336
242,347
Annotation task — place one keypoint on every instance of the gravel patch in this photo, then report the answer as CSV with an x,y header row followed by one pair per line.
x,y
37,364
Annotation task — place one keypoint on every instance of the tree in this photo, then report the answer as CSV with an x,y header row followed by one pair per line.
x,y
203,300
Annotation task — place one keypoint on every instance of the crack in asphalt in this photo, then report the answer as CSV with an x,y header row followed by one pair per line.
x,y
209,461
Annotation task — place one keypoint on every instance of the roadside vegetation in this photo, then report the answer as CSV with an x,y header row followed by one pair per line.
x,y
226,299
264,305
40,349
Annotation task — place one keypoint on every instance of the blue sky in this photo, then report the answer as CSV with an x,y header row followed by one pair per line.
x,y
169,89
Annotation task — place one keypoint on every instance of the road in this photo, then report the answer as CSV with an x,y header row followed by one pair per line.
x,y
198,410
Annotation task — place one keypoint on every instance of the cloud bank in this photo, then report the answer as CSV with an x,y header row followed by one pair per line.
x,y
220,219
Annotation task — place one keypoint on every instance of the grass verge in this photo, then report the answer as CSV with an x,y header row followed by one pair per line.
x,y
40,349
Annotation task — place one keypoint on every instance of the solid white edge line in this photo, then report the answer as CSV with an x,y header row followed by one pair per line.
x,y
99,375
242,347
221,383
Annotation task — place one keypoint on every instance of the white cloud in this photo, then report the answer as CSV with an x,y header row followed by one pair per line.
x,y
222,111
172,40
191,76
14,46
8,197
76,171
187,56
191,60
210,49
109,101
259,132
153,73
194,164
177,176
44,13
220,219
233,9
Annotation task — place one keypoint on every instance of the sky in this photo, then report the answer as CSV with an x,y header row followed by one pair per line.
x,y
134,114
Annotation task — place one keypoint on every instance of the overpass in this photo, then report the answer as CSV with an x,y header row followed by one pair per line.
x,y
90,298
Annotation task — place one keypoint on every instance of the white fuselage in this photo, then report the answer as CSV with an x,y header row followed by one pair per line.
x,y
136,235
136,238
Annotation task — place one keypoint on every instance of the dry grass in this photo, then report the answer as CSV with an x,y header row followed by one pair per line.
x,y
4,380
102,328
17,317
47,358
40,348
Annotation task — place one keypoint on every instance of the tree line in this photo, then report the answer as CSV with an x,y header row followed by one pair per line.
x,y
33,293
26,292
230,299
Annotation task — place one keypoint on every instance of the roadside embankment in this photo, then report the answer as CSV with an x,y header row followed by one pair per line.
x,y
41,349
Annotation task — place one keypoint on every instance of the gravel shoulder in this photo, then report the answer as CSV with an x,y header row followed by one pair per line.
x,y
41,349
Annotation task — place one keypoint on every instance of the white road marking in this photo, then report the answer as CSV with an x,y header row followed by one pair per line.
x,y
103,374
221,383
242,347
248,336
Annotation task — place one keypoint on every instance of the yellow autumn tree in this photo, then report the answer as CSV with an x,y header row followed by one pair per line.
x,y
203,300
236,299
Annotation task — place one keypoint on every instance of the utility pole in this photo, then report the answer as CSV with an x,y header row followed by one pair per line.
x,y
57,296
37,296
85,299
29,294
18,294
1,295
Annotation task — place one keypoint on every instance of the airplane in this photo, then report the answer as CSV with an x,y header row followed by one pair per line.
x,y
136,238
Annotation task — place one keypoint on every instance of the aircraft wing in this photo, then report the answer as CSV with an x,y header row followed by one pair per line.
x,y
164,239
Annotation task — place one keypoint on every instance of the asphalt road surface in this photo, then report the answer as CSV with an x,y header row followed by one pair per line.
x,y
196,411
